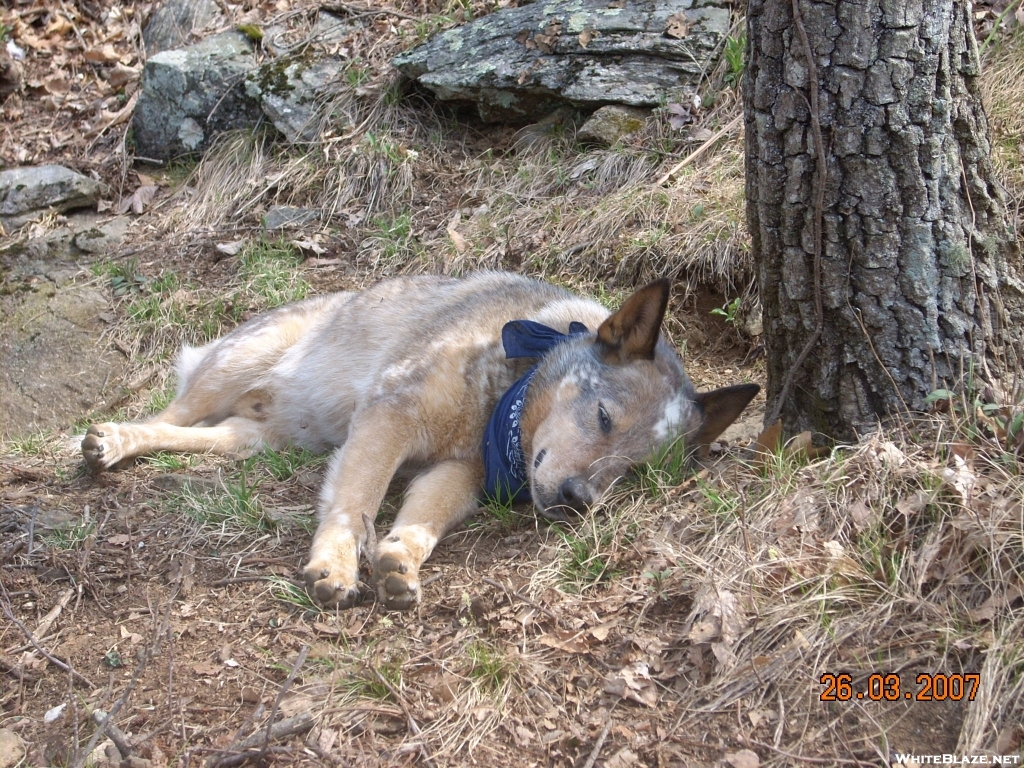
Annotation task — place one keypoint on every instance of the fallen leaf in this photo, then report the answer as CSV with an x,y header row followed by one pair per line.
x,y
600,632
586,37
768,442
679,115
104,55
59,26
232,248
206,668
544,43
308,244
120,75
119,539
745,758
705,631
678,26
138,201
802,446
861,514
799,510
633,683
911,506
56,84
54,713
565,640
723,606
624,758
460,243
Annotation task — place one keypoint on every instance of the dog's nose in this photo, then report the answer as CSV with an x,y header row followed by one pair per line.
x,y
573,493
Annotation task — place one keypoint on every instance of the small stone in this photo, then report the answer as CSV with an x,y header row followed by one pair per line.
x,y
288,217
104,237
12,748
609,124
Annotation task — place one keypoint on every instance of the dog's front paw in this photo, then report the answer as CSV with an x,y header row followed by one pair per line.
x,y
398,584
103,446
325,585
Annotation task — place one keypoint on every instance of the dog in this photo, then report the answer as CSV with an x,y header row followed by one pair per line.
x,y
495,386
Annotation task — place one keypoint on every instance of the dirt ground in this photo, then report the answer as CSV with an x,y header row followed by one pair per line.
x,y
690,623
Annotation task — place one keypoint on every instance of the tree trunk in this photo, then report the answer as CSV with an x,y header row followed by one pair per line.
x,y
905,260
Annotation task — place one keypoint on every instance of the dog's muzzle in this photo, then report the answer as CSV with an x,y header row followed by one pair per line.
x,y
572,500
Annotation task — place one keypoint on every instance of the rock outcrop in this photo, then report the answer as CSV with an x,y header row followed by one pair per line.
x,y
520,63
27,192
191,94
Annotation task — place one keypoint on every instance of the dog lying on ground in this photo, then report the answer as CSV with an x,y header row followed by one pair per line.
x,y
494,386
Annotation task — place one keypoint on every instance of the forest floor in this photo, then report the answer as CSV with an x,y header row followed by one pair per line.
x,y
694,620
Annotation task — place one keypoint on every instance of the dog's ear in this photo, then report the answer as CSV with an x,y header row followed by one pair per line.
x,y
632,332
721,407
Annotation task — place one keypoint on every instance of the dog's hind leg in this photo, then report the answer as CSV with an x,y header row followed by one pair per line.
x,y
106,445
436,502
357,479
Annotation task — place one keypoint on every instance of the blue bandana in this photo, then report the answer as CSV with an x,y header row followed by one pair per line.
x,y
504,464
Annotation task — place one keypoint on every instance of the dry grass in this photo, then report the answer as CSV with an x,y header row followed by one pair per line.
x,y
1003,91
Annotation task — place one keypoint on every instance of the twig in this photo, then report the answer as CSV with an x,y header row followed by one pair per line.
x,y
520,596
357,11
82,755
288,727
120,739
5,605
24,675
599,743
413,727
299,661
698,151
809,759
819,205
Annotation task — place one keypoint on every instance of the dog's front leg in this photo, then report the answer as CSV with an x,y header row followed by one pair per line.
x,y
357,480
437,501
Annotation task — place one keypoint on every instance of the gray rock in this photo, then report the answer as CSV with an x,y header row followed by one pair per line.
x,y
190,95
104,237
171,25
288,217
520,63
291,92
609,124
25,193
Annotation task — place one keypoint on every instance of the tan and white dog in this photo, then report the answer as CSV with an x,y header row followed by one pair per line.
x,y
422,373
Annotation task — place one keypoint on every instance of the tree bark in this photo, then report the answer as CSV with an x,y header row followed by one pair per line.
x,y
905,263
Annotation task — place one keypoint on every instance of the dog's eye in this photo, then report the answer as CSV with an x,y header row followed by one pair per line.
x,y
604,419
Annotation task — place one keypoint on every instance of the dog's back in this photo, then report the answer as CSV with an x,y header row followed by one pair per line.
x,y
428,345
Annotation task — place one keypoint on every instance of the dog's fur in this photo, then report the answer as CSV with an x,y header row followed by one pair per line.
x,y
406,373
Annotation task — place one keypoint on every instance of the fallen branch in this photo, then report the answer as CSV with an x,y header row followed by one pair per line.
x,y
5,606
520,596
413,727
698,151
299,661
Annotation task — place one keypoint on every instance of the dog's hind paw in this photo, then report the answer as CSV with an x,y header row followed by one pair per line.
x,y
103,446
328,591
398,586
